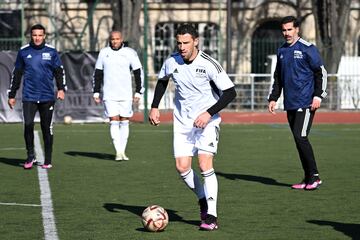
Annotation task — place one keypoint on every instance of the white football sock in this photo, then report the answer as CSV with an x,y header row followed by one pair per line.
x,y
115,135
124,134
211,190
191,179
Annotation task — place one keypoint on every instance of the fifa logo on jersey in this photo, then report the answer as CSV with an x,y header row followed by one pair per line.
x,y
200,72
46,56
298,54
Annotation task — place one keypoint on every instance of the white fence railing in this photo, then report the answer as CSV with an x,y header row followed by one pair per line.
x,y
253,89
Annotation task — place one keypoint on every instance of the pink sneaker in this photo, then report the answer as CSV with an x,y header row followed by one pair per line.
x,y
301,185
29,163
46,166
313,186
210,223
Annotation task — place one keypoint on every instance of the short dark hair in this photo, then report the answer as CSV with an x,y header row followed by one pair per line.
x,y
187,28
289,19
37,27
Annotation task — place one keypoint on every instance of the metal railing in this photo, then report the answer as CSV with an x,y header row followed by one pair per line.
x,y
10,44
343,92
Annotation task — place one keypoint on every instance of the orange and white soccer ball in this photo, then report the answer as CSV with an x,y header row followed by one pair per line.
x,y
155,218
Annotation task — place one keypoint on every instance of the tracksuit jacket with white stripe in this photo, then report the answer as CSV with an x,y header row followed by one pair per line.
x,y
38,65
300,73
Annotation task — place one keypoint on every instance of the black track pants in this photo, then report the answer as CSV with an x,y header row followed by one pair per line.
x,y
46,112
300,122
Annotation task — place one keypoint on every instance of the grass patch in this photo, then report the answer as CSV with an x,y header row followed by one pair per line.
x,y
95,197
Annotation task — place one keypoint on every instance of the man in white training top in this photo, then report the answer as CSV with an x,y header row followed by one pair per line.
x,y
202,89
113,70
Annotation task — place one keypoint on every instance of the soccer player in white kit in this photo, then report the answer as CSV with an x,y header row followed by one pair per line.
x,y
113,70
202,89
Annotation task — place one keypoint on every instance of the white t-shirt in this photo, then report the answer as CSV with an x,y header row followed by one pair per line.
x,y
117,66
193,92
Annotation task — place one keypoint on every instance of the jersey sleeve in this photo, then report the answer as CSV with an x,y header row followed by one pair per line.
x,y
57,61
19,63
314,58
276,87
320,73
164,72
218,75
16,76
163,80
59,72
99,62
135,61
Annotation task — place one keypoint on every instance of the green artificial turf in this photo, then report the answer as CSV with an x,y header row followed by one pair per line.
x,y
95,197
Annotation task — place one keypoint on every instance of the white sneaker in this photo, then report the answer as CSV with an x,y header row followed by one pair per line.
x,y
121,156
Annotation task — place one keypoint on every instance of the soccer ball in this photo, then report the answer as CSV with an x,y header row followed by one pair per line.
x,y
67,119
155,218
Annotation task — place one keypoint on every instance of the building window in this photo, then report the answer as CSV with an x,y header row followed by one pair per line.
x,y
266,39
165,42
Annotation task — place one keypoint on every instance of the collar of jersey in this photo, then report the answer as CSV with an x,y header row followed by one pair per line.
x,y
117,49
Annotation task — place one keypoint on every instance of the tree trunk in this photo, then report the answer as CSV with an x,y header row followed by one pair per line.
x,y
126,15
330,18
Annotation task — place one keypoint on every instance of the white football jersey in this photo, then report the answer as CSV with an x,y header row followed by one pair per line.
x,y
193,91
117,66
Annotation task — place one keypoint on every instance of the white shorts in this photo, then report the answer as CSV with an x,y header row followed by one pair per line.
x,y
118,108
190,141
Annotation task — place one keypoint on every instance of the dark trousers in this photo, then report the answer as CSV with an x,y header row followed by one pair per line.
x,y
300,123
46,112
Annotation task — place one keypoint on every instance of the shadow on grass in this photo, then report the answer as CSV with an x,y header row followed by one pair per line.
x,y
138,210
251,178
103,156
349,229
12,161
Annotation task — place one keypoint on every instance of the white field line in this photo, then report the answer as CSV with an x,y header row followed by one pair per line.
x,y
11,149
20,204
48,217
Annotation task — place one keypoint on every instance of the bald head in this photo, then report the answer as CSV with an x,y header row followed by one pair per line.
x,y
116,39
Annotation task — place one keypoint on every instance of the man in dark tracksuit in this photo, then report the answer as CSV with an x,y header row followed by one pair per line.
x,y
302,77
38,63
